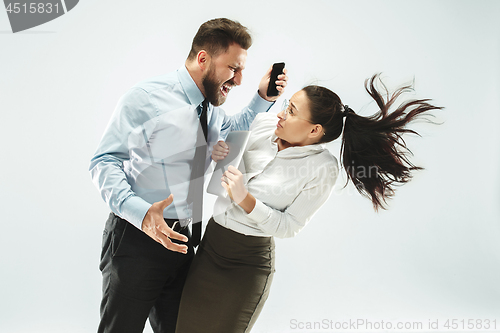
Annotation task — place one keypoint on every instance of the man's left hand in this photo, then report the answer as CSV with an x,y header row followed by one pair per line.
x,y
280,85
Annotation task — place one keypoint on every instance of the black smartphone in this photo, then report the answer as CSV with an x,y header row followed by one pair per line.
x,y
277,70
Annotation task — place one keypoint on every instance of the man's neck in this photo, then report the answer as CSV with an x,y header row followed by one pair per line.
x,y
196,74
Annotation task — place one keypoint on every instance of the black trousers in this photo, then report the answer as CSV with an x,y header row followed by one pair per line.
x,y
141,279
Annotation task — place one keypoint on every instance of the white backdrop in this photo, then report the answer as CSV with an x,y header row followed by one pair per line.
x,y
434,255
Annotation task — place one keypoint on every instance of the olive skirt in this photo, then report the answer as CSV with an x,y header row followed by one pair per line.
x,y
228,282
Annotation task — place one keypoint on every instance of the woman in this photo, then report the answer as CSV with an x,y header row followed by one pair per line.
x,y
287,176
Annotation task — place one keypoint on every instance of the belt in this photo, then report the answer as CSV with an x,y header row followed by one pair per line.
x,y
175,225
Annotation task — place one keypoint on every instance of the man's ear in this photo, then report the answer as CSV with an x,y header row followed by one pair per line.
x,y
203,59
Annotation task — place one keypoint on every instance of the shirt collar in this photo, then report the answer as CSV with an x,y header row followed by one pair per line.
x,y
190,88
298,151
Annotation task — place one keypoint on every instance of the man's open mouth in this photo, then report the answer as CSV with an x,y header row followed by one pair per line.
x,y
225,88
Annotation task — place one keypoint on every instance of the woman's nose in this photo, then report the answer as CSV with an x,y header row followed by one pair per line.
x,y
281,115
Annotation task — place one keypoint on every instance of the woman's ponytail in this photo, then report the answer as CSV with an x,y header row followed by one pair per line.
x,y
373,151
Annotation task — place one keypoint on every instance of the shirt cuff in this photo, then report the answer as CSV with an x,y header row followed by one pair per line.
x,y
259,213
258,104
134,209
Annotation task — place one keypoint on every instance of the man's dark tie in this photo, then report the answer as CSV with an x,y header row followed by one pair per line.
x,y
195,194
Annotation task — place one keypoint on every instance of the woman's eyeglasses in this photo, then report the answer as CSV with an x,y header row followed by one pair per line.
x,y
287,110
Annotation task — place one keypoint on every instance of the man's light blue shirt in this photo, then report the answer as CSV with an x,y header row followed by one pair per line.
x,y
148,146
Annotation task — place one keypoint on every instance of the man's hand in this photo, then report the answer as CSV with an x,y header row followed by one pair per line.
x,y
280,85
155,227
221,149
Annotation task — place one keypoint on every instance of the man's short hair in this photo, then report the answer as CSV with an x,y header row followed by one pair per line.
x,y
215,37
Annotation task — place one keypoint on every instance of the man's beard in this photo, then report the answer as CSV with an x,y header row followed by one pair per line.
x,y
213,87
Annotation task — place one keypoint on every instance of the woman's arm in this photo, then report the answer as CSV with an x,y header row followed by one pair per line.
x,y
248,204
275,222
288,223
232,181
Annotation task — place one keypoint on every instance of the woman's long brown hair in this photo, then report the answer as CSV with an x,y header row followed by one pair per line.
x,y
373,151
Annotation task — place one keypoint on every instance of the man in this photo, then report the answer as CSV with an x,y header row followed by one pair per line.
x,y
143,167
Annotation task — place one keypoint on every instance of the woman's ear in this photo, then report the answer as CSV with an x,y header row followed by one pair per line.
x,y
316,132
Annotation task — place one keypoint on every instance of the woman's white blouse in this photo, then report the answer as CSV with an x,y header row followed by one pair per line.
x,y
289,185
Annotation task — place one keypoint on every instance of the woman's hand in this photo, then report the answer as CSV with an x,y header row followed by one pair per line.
x,y
232,181
221,149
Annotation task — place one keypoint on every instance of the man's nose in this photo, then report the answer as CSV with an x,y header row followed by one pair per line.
x,y
238,77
